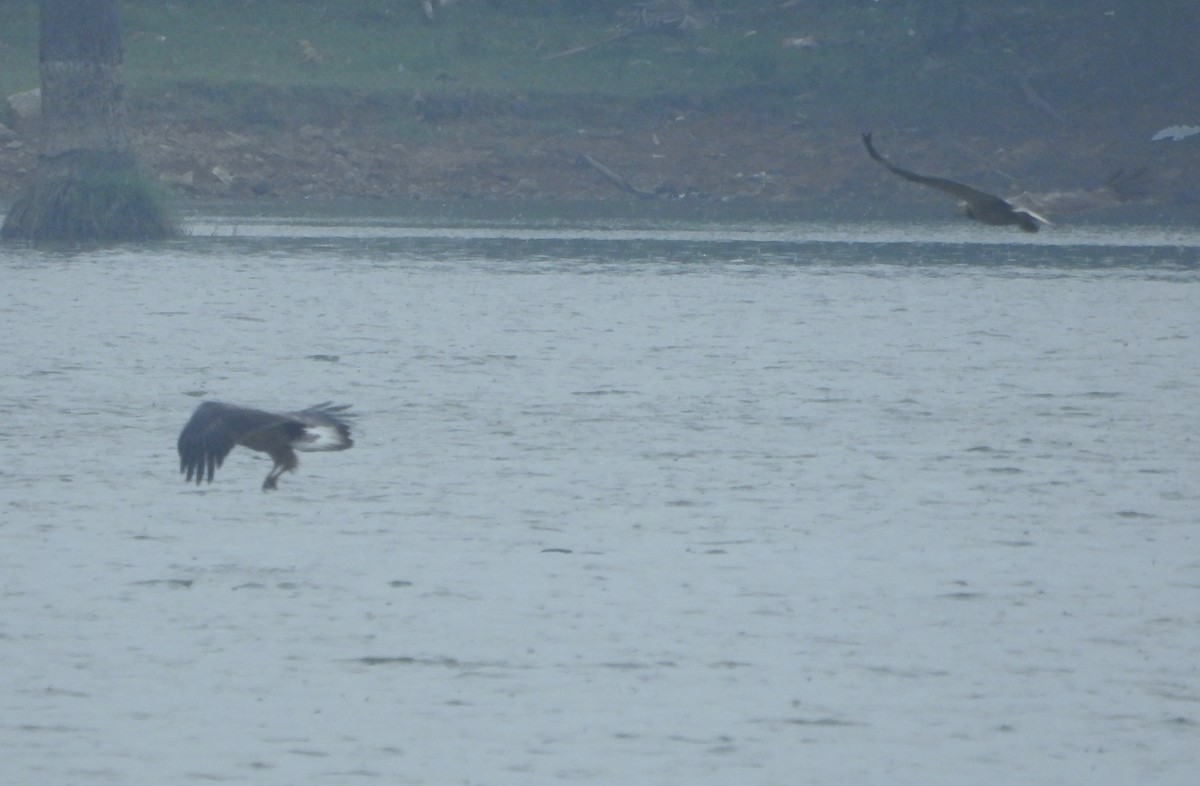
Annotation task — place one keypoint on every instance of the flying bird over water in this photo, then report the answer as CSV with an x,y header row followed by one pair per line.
x,y
983,207
215,429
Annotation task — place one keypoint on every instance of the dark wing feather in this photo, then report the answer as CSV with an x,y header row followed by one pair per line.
x,y
212,432
327,409
977,199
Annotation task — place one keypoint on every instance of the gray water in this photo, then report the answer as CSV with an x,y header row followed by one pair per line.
x,y
634,499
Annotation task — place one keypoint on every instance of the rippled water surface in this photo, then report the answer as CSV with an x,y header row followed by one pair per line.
x,y
634,500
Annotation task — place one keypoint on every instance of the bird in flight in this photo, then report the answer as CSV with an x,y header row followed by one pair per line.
x,y
215,428
982,207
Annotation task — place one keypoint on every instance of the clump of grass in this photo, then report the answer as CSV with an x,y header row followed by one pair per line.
x,y
18,47
90,206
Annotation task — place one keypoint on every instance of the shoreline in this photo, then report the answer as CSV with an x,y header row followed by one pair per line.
x,y
583,150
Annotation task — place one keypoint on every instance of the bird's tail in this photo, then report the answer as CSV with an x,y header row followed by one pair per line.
x,y
326,427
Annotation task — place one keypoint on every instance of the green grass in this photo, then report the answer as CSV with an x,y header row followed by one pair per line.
x,y
91,206
18,47
384,45
867,56
372,45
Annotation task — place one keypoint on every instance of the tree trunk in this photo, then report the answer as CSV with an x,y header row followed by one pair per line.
x,y
87,186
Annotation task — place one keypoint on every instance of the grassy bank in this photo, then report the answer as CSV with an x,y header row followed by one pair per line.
x,y
765,100
387,45
882,58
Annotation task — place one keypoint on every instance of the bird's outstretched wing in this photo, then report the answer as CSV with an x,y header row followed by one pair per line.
x,y
971,196
979,205
212,432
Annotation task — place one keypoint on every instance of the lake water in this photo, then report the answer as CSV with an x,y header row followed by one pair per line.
x,y
635,499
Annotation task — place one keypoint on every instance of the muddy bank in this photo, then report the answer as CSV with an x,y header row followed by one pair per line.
x,y
207,142
458,146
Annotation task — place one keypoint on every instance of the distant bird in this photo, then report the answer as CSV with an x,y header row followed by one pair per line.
x,y
986,208
215,429
309,54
